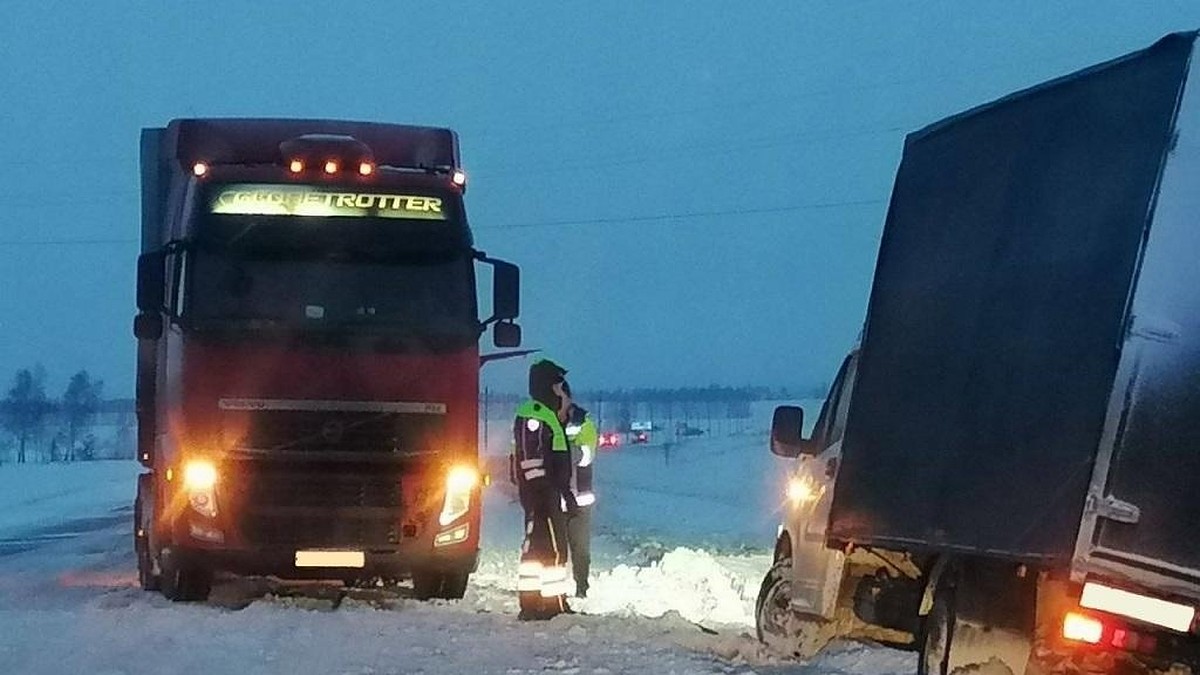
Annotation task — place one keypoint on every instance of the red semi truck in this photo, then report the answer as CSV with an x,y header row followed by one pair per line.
x,y
308,355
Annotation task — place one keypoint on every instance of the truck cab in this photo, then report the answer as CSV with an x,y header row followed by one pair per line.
x,y
308,355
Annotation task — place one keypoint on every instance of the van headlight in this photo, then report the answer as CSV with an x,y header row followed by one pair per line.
x,y
460,483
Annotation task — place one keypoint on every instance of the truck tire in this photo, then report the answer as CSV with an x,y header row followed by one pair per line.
x,y
184,583
430,584
143,510
779,626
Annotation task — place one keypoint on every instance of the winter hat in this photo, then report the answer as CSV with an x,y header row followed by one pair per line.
x,y
543,375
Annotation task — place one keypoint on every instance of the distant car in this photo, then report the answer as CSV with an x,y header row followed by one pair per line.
x,y
641,437
610,439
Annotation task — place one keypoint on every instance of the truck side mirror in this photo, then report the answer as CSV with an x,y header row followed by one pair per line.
x,y
151,282
506,292
148,326
787,427
506,334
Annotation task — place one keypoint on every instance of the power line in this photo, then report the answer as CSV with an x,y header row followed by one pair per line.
x,y
686,215
66,242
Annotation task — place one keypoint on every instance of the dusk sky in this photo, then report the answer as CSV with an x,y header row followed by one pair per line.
x,y
694,191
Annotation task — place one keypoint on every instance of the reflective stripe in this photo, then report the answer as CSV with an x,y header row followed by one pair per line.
x,y
588,455
531,463
558,588
572,430
529,575
534,473
555,581
585,499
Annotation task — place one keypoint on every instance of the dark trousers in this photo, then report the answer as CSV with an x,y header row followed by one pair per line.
x,y
579,538
542,575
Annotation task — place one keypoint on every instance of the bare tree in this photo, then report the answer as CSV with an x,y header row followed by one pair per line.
x,y
79,405
25,408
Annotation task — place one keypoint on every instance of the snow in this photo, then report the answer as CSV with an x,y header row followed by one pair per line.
x,y
679,552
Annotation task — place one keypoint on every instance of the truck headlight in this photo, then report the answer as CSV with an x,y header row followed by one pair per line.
x,y
200,480
460,483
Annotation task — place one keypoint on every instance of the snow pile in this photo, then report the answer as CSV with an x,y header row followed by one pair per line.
x,y
693,583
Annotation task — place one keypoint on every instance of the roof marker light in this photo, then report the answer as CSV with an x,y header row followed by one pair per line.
x,y
296,166
366,168
459,177
331,166
199,168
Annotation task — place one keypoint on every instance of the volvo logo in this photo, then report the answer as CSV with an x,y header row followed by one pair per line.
x,y
332,431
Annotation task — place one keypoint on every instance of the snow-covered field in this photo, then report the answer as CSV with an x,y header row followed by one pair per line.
x,y
682,543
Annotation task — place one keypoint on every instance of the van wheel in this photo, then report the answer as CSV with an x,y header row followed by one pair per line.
x,y
184,583
937,633
779,626
429,584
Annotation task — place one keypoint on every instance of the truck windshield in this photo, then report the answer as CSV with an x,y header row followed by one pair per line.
x,y
329,276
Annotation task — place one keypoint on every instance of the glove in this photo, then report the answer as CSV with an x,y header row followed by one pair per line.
x,y
569,504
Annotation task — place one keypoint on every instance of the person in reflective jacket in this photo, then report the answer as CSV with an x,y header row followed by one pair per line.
x,y
582,437
542,464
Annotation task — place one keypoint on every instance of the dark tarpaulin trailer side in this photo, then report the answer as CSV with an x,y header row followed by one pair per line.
x,y
998,309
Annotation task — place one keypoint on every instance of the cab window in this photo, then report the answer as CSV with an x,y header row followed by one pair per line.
x,y
831,423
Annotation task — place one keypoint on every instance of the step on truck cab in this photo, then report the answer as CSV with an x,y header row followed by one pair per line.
x,y
1006,474
308,355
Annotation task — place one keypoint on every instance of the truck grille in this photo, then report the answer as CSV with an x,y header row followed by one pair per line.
x,y
349,431
320,506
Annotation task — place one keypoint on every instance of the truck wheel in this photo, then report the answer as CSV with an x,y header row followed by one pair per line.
x,y
184,583
148,579
429,584
454,586
779,626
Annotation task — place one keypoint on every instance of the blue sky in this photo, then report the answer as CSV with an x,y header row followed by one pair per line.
x,y
694,191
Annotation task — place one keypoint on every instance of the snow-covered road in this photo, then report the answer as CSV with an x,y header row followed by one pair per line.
x,y
69,600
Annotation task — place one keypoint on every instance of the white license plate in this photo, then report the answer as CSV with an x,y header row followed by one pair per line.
x,y
330,559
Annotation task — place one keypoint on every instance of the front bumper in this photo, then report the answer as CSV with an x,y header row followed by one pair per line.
x,y
389,563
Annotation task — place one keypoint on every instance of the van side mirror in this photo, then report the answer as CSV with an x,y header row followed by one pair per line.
x,y
151,282
787,428
506,334
506,291
148,325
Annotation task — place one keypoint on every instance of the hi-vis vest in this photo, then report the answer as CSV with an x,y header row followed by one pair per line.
x,y
583,437
530,435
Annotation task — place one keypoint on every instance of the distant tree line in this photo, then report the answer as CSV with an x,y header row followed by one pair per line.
x,y
41,428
